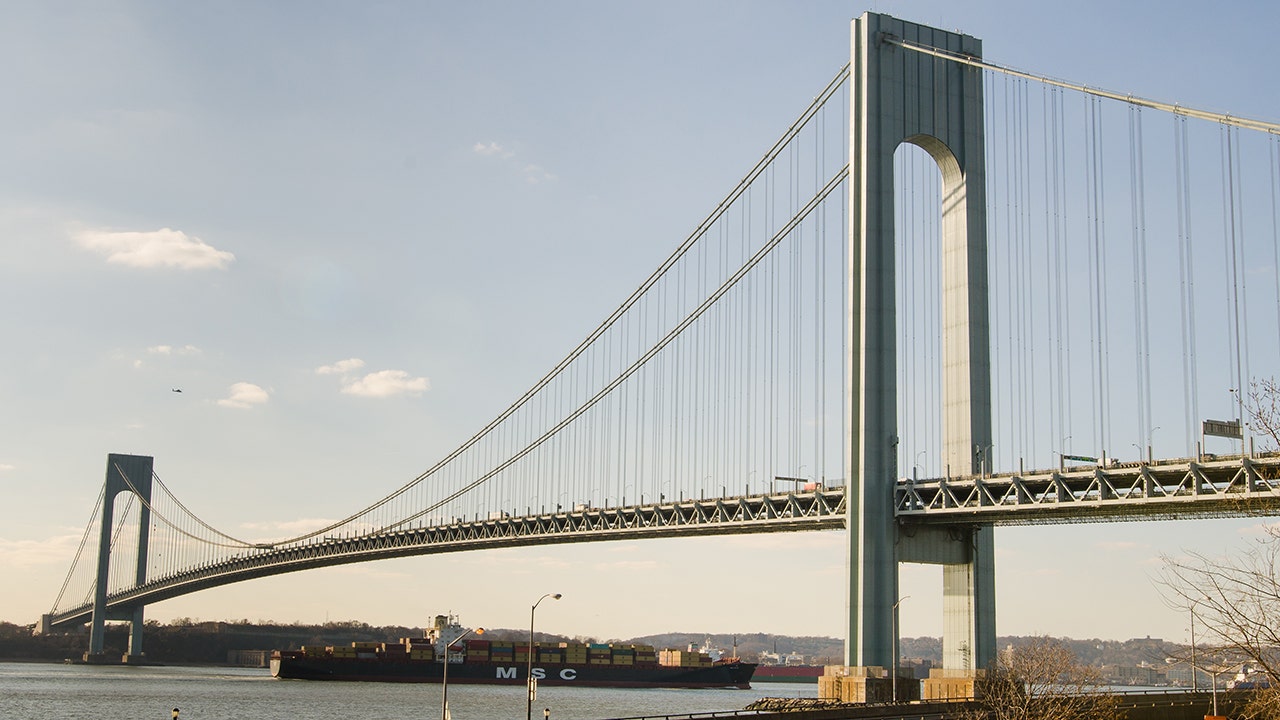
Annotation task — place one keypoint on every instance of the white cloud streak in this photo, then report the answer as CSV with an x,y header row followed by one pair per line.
x,y
342,367
491,149
164,248
533,174
171,350
25,554
287,528
386,383
380,384
244,395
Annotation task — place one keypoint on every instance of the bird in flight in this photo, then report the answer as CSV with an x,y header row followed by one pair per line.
x,y
177,390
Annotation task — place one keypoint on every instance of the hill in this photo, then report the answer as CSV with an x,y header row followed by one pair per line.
x,y
191,641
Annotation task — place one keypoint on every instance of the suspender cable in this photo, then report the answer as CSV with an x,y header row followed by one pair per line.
x,y
1186,267
994,237
1064,273
1275,223
84,540
1093,174
711,300
1025,306
1233,260
1137,211
1245,376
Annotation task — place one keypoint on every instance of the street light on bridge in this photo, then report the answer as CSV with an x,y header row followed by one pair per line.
x,y
529,673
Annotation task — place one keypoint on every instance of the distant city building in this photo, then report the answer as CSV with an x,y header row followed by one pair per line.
x,y
249,658
1143,674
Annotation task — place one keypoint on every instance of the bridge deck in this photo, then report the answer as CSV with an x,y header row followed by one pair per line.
x,y
788,512
1236,486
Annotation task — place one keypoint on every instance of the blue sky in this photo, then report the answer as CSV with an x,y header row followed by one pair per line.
x,y
352,233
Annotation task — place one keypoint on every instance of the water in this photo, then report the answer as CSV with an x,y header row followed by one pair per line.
x,y
72,692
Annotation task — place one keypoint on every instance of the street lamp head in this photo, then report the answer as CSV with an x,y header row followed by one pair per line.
x,y
478,631
532,682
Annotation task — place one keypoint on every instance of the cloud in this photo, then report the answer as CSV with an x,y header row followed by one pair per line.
x,y
533,174
170,350
288,528
386,383
159,248
342,367
491,149
380,384
244,395
4,467
23,554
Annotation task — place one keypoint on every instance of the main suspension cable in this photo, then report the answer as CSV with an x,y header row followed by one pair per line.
x,y
1224,118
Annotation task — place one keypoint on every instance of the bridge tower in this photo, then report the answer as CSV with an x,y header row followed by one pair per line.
x,y
125,473
904,96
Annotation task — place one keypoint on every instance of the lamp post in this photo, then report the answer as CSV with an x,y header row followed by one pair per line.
x,y
529,672
894,681
444,678
1215,693
1194,687
1215,670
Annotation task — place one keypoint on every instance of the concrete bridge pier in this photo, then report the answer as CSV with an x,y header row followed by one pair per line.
x,y
125,473
904,96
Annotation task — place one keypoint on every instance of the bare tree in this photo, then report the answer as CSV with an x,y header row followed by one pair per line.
x,y
1042,680
1263,408
1234,601
1264,705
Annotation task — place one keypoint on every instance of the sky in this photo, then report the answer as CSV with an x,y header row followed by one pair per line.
x,y
352,233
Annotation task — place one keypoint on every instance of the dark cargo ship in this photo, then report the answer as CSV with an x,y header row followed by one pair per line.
x,y
507,663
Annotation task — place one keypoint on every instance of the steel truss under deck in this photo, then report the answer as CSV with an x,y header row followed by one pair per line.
x,y
823,509
1237,486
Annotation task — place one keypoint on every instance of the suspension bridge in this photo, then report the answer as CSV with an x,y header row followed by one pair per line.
x,y
952,295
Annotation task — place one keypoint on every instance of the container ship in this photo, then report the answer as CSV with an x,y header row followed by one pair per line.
x,y
479,661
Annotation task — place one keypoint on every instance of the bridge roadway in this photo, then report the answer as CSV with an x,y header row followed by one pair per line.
x,y
1223,486
1237,486
820,509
